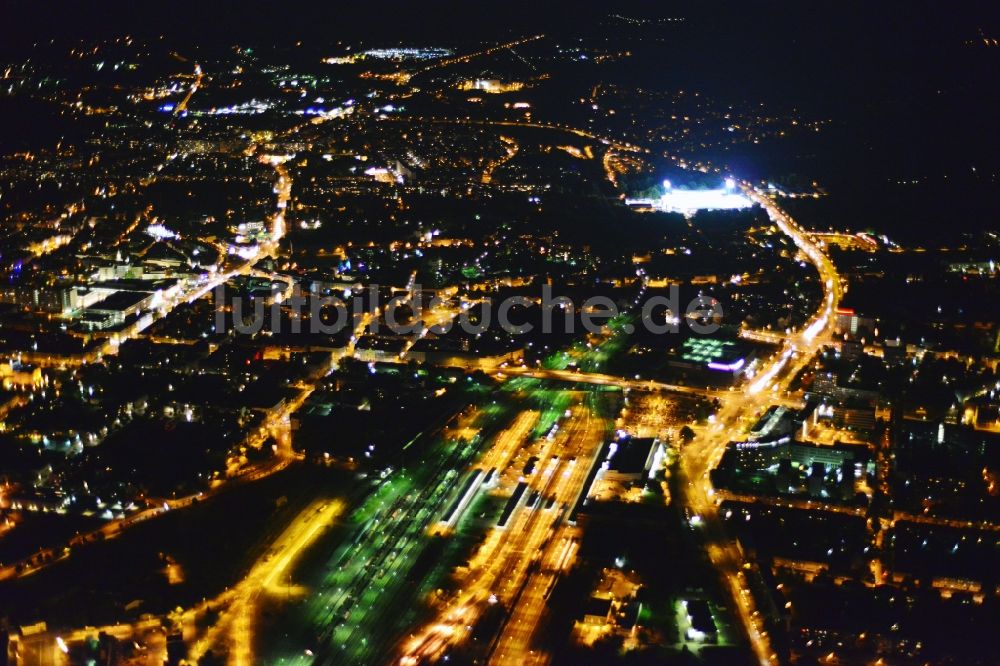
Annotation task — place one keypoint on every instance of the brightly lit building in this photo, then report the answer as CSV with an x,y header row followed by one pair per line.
x,y
687,202
703,353
401,53
491,85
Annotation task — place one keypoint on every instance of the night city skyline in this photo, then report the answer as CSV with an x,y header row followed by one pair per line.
x,y
499,333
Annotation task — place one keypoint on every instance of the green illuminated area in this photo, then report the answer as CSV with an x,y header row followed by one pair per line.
x,y
391,560
707,350
353,613
591,356
553,405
